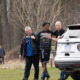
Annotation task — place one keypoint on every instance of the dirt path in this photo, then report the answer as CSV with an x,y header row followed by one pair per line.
x,y
13,64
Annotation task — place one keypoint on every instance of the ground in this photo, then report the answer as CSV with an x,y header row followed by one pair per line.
x,y
13,68
17,74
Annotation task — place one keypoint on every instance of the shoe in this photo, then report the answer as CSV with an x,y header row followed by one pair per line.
x,y
66,76
35,79
47,74
25,79
61,79
43,76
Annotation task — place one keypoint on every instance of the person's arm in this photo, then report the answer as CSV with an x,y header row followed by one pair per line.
x,y
36,37
56,39
59,35
54,33
21,48
3,51
33,37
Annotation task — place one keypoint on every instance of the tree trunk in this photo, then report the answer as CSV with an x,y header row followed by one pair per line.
x,y
0,31
5,25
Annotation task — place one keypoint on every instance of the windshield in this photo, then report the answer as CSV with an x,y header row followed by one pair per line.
x,y
71,34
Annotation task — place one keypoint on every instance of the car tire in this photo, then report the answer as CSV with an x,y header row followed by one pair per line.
x,y
75,75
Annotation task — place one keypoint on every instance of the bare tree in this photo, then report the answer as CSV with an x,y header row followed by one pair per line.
x,y
0,31
5,25
33,13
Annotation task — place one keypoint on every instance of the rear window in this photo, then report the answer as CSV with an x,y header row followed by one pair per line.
x,y
74,28
73,31
71,34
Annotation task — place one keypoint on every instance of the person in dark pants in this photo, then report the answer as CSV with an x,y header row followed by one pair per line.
x,y
2,54
59,31
63,75
45,48
31,53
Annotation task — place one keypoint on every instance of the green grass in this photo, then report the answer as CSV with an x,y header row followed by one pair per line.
x,y
17,74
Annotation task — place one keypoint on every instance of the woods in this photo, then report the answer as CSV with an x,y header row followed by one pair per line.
x,y
15,15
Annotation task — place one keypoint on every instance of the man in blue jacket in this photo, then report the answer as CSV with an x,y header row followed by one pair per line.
x,y
30,50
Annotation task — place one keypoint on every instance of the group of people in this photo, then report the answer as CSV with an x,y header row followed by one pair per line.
x,y
35,46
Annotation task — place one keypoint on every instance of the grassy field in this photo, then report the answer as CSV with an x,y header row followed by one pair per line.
x,y
17,74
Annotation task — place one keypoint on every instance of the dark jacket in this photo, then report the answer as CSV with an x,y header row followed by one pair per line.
x,y
2,52
43,41
58,33
34,43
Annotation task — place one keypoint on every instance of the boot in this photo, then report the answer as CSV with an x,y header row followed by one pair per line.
x,y
35,79
25,79
47,74
61,79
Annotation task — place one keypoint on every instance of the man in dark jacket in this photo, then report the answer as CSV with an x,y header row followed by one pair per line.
x,y
30,50
59,31
2,54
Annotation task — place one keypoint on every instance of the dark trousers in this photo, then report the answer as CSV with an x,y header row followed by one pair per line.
x,y
2,60
29,61
63,75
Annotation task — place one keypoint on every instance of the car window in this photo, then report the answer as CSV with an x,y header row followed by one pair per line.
x,y
74,27
71,34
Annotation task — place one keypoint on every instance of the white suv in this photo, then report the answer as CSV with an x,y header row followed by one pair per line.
x,y
68,49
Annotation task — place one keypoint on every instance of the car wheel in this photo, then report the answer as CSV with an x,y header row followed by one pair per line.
x,y
75,75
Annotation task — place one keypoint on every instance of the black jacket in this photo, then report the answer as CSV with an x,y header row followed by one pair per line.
x,y
58,33
2,52
34,44
43,41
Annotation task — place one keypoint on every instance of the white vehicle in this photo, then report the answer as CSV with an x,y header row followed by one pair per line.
x,y
68,50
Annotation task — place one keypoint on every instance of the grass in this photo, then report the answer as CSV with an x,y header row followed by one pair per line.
x,y
17,74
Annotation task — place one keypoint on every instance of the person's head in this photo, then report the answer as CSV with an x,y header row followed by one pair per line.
x,y
46,26
28,30
58,25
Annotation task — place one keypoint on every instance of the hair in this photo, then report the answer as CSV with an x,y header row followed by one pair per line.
x,y
58,22
27,27
45,24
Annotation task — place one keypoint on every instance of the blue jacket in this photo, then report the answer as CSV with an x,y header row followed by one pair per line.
x,y
34,43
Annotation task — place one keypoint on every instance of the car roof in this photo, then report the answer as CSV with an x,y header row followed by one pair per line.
x,y
74,26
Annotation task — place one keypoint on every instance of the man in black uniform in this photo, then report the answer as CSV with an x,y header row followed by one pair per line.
x,y
59,31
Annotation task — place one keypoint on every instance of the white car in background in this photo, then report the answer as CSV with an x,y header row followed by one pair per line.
x,y
68,50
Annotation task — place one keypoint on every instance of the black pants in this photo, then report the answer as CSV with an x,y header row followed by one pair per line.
x,y
2,60
45,54
29,61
